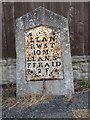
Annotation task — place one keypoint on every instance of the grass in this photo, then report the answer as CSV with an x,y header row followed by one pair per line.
x,y
11,101
85,84
81,113
26,101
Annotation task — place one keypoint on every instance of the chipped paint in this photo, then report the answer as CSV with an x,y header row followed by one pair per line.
x,y
43,54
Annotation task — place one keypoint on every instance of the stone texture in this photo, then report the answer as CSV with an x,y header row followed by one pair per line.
x,y
43,54
8,71
34,87
77,70
80,66
38,17
55,87
1,75
78,59
5,74
76,74
84,67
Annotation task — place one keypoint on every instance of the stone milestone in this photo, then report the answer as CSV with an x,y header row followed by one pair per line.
x,y
43,54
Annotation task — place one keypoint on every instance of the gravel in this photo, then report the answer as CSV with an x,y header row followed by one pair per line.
x,y
58,107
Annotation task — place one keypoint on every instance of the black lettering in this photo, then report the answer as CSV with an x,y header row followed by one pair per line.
x,y
31,71
39,70
29,65
59,56
28,71
44,39
38,52
30,34
45,45
33,58
53,33
47,71
28,59
46,65
46,58
54,58
34,64
45,52
40,65
58,63
53,64
37,39
31,39
52,45
39,45
34,52
32,46
52,39
40,59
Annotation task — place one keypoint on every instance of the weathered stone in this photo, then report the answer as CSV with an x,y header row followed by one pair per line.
x,y
43,57
5,74
8,74
48,21
33,87
79,59
84,75
84,67
1,75
12,74
43,17
88,58
77,70
75,66
3,62
76,74
11,62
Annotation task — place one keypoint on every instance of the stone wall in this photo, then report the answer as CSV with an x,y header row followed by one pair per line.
x,y
80,66
8,69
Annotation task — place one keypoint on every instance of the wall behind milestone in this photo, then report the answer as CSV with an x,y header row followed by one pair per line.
x,y
77,14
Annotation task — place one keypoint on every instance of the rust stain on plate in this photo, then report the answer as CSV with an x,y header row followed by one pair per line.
x,y
43,54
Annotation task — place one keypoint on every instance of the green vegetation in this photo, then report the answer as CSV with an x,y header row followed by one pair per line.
x,y
85,83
